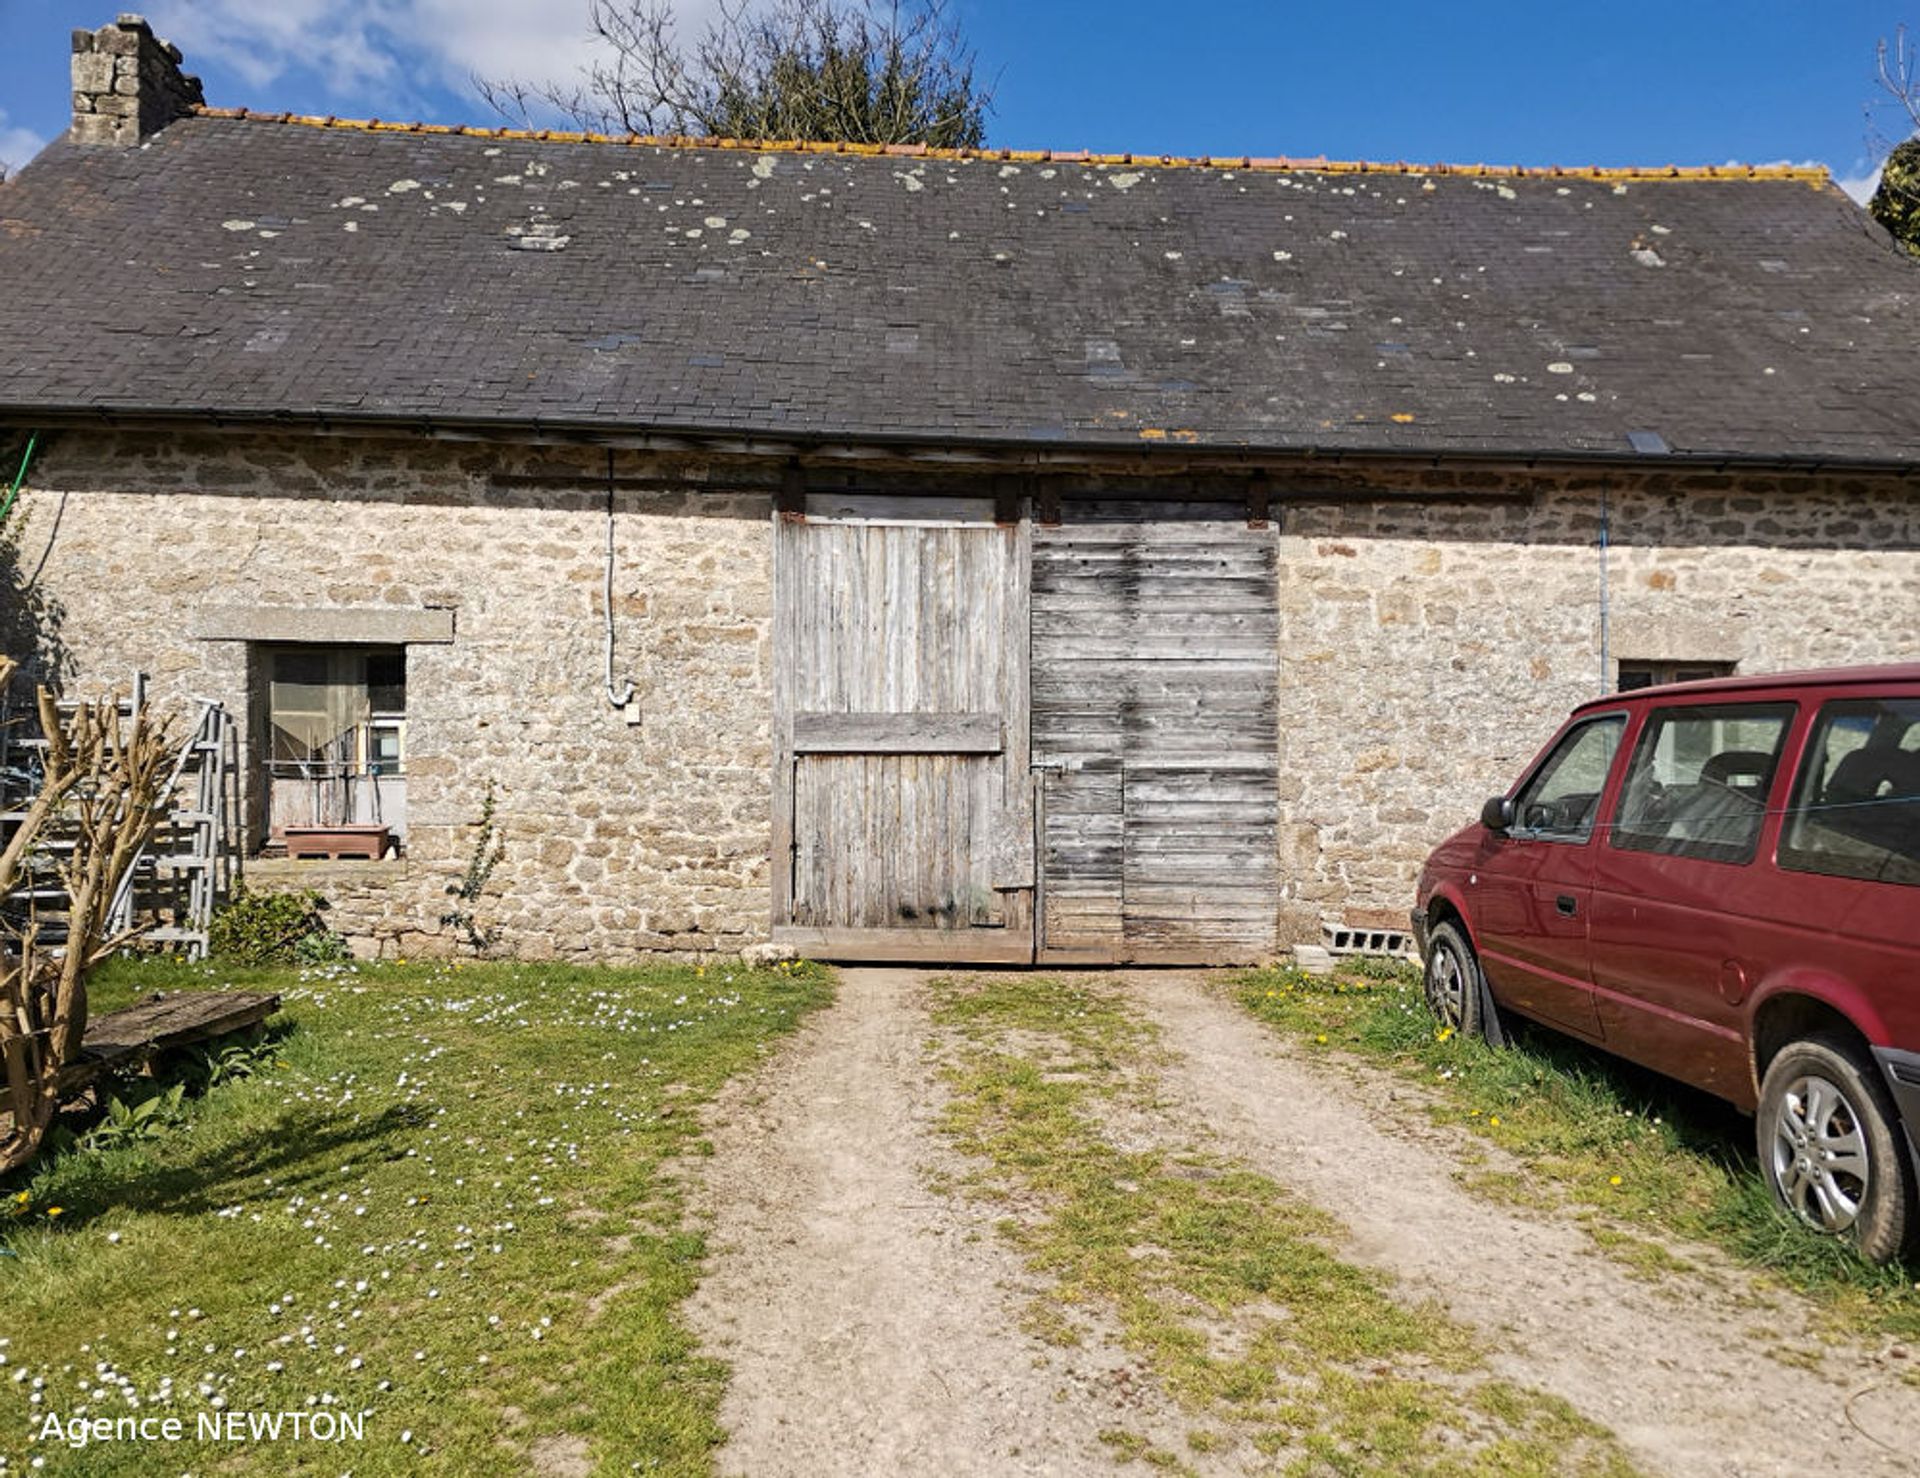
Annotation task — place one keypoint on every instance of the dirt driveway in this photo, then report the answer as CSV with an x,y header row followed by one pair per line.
x,y
874,1318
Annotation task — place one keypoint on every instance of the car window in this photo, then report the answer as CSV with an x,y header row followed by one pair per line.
x,y
1559,802
1855,811
1698,783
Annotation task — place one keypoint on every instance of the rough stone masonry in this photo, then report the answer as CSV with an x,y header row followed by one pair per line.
x,y
1435,625
127,84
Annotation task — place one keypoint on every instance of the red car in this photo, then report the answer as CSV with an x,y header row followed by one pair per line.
x,y
1719,880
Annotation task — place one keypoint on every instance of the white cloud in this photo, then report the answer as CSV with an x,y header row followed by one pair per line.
x,y
1860,187
17,145
260,43
380,54
497,38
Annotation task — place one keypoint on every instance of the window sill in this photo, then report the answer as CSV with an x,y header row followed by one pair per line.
x,y
306,872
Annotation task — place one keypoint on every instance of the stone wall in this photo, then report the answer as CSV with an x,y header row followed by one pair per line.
x,y
1429,649
1431,639
621,839
127,84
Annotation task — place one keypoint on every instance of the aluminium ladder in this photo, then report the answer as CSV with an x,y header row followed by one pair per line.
x,y
186,867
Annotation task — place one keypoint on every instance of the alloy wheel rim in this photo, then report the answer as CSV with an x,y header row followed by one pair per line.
x,y
1447,987
1819,1154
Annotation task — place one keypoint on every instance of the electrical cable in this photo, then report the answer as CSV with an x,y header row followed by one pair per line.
x,y
1606,595
618,697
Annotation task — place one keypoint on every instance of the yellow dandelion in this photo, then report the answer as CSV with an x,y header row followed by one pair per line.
x,y
1494,1119
53,1211
1321,1039
1613,1180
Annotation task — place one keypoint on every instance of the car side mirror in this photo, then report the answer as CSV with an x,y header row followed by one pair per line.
x,y
1497,814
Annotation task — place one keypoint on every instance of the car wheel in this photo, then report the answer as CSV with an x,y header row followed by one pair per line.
x,y
1829,1142
1454,991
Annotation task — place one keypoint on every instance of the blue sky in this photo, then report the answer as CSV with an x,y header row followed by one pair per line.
x,y
1522,81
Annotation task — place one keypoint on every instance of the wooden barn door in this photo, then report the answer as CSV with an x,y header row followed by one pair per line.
x,y
1154,672
903,802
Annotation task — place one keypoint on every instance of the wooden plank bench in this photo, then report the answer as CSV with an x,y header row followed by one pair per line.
x,y
132,1037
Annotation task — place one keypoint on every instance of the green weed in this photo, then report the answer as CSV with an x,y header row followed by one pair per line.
x,y
1224,1283
1649,1157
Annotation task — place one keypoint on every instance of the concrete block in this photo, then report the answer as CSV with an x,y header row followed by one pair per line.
x,y
1312,959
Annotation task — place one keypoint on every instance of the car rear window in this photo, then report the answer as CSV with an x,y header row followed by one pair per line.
x,y
1856,803
1698,783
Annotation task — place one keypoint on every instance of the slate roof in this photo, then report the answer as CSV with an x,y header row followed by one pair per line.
x,y
242,267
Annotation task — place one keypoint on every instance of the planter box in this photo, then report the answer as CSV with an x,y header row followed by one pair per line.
x,y
338,841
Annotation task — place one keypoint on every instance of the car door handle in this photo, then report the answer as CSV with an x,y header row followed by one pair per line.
x,y
1566,904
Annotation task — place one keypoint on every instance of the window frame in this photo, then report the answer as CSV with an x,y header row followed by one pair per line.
x,y
1796,807
352,665
1660,674
1646,742
1570,735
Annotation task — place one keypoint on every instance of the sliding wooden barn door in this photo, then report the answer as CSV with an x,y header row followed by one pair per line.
x,y
1154,671
903,805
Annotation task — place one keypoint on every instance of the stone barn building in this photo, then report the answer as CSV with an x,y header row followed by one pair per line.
x,y
896,554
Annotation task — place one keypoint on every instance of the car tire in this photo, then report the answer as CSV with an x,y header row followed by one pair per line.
x,y
1830,1147
1455,992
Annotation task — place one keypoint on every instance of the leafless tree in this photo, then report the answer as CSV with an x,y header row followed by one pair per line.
x,y
1897,62
103,783
859,71
1896,203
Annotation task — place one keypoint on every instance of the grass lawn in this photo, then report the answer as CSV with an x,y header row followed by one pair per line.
x,y
1639,1157
445,1198
1225,1283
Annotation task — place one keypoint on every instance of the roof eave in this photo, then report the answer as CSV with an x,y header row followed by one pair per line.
x,y
957,448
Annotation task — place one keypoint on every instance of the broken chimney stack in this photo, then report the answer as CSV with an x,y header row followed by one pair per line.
x,y
127,84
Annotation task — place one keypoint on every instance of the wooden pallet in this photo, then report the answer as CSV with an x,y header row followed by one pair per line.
x,y
128,1039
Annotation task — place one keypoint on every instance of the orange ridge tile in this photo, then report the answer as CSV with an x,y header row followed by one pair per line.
x,y
1287,164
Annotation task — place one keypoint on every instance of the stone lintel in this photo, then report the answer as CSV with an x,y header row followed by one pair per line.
x,y
1672,636
325,625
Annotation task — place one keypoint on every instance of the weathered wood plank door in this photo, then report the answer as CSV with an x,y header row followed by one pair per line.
x,y
903,804
1154,672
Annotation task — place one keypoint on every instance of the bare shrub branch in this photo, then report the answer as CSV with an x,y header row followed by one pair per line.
x,y
855,71
103,785
1899,73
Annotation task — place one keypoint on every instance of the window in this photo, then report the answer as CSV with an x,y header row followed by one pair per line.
x,y
1856,805
1558,803
336,722
1634,675
1699,780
